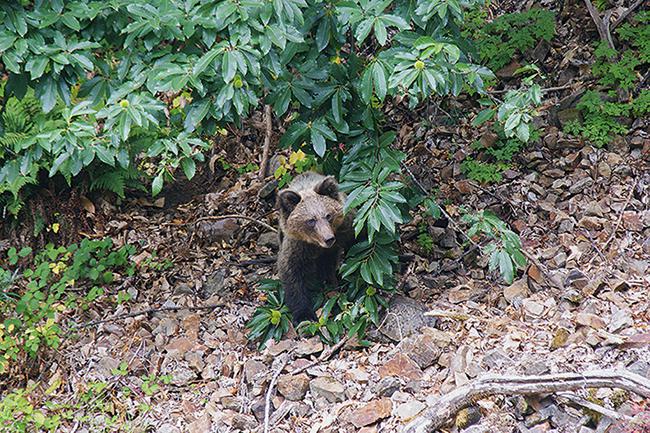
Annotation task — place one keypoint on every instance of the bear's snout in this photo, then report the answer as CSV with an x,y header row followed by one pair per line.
x,y
330,241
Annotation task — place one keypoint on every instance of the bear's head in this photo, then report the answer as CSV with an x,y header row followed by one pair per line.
x,y
312,216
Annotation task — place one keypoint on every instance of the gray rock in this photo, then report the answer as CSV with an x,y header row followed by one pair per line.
x,y
215,283
328,388
496,359
253,370
182,376
293,387
580,185
387,386
269,239
403,318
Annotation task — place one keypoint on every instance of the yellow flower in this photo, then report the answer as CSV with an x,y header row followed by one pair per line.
x,y
56,227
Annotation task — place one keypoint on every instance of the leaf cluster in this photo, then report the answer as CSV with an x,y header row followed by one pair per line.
x,y
38,291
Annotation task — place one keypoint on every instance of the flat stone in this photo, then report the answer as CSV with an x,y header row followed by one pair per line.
x,y
409,410
293,387
604,169
533,308
632,221
593,208
309,347
275,348
560,338
179,346
580,185
387,386
253,369
591,320
422,349
401,366
242,421
496,358
328,388
371,412
517,290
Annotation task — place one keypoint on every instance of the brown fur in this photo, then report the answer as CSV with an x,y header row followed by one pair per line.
x,y
313,235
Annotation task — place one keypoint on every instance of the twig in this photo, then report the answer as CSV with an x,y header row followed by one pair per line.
x,y
447,406
268,125
620,216
323,357
593,406
269,392
149,311
243,217
601,25
625,13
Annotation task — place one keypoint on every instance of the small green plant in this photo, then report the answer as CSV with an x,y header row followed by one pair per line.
x,y
298,162
623,69
601,119
18,414
38,294
272,319
151,383
424,239
516,112
483,172
509,35
505,250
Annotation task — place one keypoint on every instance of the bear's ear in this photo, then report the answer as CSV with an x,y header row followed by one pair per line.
x,y
328,187
288,200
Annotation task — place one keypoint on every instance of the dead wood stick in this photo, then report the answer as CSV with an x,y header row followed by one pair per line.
x,y
242,217
268,127
269,392
626,13
579,401
149,311
323,357
447,405
601,26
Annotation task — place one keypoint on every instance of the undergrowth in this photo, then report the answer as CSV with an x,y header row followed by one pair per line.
x,y
38,287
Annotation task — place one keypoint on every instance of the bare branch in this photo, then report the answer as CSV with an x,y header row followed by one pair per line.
x,y
447,405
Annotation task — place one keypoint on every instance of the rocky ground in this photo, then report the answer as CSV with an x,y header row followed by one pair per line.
x,y
583,215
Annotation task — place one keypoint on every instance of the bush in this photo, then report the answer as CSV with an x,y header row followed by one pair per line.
x,y
141,85
34,292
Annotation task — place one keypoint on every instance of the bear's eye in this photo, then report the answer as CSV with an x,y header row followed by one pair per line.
x,y
328,217
311,222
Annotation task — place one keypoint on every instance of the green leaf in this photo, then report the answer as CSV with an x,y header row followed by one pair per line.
x,y
380,32
157,184
505,266
228,67
483,117
513,120
318,142
379,78
523,132
206,60
189,167
363,30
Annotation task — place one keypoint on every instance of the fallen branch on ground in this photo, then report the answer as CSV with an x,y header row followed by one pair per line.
x,y
447,405
269,392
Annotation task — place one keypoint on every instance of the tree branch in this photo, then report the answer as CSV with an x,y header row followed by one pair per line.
x,y
268,127
601,25
447,405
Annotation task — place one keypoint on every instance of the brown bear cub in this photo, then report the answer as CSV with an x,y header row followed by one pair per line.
x,y
314,233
